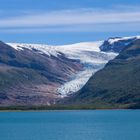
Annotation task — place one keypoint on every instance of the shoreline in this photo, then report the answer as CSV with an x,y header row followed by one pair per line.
x,y
66,108
48,110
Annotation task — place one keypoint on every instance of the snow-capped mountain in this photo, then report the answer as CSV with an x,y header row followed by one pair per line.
x,y
117,44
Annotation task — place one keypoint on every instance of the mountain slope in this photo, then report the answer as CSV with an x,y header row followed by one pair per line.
x,y
117,85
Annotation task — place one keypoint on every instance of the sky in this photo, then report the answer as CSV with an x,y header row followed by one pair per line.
x,y
67,21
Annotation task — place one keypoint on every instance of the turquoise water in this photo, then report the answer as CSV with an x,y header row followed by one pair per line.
x,y
71,125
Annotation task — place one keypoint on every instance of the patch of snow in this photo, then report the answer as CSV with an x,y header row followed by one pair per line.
x,y
113,40
15,46
46,49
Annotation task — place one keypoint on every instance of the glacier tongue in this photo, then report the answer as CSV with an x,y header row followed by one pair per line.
x,y
91,65
76,83
93,59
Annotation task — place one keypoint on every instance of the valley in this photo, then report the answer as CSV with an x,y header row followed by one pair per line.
x,y
46,75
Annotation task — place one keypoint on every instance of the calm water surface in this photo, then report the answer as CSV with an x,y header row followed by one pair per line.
x,y
71,125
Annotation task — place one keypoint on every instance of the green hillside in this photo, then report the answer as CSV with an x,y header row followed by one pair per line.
x,y
115,86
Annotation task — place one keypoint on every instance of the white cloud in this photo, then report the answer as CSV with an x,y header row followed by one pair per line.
x,y
74,20
129,27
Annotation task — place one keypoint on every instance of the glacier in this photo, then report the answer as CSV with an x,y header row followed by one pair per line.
x,y
88,53
92,58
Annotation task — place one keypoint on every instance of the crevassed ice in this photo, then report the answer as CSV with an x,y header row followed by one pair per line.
x,y
76,83
81,78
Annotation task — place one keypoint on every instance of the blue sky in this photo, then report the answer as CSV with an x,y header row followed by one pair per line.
x,y
67,21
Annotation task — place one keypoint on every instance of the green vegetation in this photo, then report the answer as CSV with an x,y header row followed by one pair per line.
x,y
54,107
